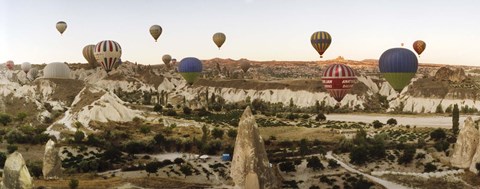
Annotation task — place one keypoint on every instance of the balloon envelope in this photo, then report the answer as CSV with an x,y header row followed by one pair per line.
x,y
107,53
88,54
245,65
10,65
56,70
155,31
32,74
338,79
219,38
61,26
190,68
321,40
166,59
398,66
419,46
26,66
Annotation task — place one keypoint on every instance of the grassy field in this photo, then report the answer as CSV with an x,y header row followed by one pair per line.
x,y
298,133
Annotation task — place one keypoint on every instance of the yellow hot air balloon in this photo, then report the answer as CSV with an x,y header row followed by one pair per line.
x,y
155,31
321,40
219,38
61,27
89,56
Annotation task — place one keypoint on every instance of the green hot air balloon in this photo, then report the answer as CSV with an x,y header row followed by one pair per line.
x,y
398,66
190,68
219,38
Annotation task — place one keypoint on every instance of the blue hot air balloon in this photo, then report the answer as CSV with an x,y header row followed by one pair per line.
x,y
398,66
190,68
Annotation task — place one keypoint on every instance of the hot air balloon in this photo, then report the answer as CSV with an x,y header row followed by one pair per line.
x,y
338,79
155,31
61,26
56,70
190,68
419,46
219,38
88,55
10,65
26,66
321,41
245,65
32,74
398,66
107,53
166,59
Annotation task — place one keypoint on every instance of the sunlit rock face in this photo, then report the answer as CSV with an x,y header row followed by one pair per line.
x,y
52,164
466,146
15,173
250,158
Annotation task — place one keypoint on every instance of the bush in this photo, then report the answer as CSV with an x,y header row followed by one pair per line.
x,y
441,145
314,163
408,154
78,136
392,121
359,155
73,184
152,167
21,116
35,168
171,112
232,133
377,124
320,117
438,134
157,108
186,170
145,129
287,166
11,148
5,119
217,133
187,110
178,161
333,163
429,167
3,158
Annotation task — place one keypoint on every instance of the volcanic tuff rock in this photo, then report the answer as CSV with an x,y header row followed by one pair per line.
x,y
52,164
15,173
445,73
250,157
466,145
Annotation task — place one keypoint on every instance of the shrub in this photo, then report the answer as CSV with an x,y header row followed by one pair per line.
x,y
333,163
73,184
377,124
392,121
359,155
3,158
441,145
438,134
5,119
178,161
408,154
171,112
11,148
187,110
186,170
78,136
320,117
314,163
35,168
217,133
232,133
145,129
21,116
152,167
287,166
429,167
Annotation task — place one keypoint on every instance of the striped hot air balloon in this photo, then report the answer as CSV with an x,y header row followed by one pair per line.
x,y
10,65
338,79
89,56
107,53
398,66
190,68
419,46
321,40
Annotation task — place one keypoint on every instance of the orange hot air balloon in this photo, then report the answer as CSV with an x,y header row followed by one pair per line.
x,y
419,46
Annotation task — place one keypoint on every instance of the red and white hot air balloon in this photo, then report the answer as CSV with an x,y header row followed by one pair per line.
x,y
338,79
9,65
107,53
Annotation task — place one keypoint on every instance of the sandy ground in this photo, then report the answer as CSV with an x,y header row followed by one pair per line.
x,y
419,121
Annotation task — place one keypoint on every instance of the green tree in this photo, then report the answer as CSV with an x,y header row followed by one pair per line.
x,y
377,124
287,167
78,136
359,155
429,167
438,134
152,167
5,119
303,147
217,133
320,117
186,170
21,116
333,163
35,168
159,139
187,110
449,109
73,184
392,121
232,133
11,148
314,163
291,103
157,108
408,154
439,109
455,119
3,158
205,133
145,129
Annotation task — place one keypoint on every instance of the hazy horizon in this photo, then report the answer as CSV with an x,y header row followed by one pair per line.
x,y
261,30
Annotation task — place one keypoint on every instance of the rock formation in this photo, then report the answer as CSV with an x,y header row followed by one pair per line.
x,y
52,164
250,157
445,73
466,145
15,173
251,181
476,157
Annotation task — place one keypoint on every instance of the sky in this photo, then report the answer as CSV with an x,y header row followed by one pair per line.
x,y
256,29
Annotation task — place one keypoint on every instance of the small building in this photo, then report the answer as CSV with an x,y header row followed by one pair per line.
x,y
226,157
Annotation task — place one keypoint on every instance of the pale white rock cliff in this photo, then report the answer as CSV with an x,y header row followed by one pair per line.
x,y
15,173
466,145
249,156
52,164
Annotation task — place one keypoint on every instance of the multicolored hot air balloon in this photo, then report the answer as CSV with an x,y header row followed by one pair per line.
x,y
219,38
338,79
166,59
419,46
245,65
61,27
398,66
155,31
89,56
26,66
10,65
107,53
190,68
321,40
